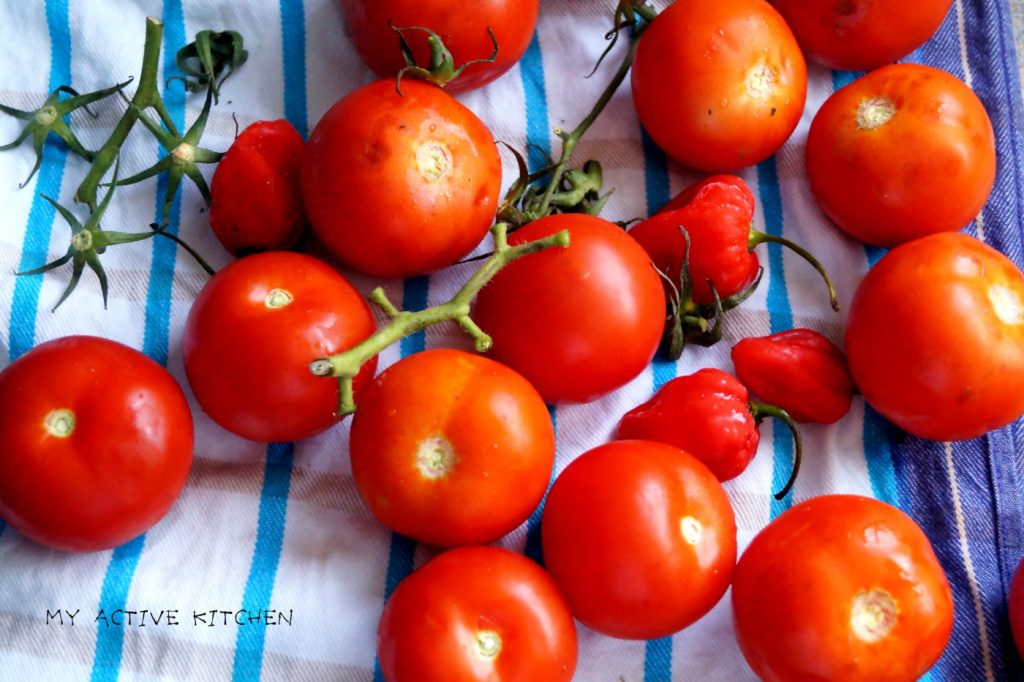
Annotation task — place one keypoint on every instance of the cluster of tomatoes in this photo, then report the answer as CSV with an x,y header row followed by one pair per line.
x,y
454,449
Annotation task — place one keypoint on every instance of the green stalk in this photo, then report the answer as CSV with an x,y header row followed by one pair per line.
x,y
346,365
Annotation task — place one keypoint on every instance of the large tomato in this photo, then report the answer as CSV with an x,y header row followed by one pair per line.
x,y
903,152
450,448
719,84
475,614
251,334
935,337
841,587
857,35
397,185
577,322
462,27
640,537
95,443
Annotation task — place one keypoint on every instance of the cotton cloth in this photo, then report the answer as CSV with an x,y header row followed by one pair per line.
x,y
282,527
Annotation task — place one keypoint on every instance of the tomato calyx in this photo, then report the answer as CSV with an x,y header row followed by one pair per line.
x,y
571,190
631,14
346,365
692,322
757,237
441,69
761,411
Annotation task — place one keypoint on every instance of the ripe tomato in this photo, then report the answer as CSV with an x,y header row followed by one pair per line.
x,y
935,337
95,443
841,587
1016,607
450,448
477,613
858,35
719,84
576,322
640,537
400,185
903,152
251,334
256,203
464,31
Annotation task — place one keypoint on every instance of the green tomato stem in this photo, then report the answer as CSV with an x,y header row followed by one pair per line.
x,y
761,410
346,365
757,237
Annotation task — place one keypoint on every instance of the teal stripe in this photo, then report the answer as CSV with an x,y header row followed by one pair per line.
x,y
533,548
538,125
273,507
121,570
259,588
780,315
402,550
25,304
106,665
657,652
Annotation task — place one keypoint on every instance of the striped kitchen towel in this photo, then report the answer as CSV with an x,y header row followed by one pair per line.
x,y
269,567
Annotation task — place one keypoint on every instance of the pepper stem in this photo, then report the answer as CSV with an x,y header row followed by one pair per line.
x,y
760,411
346,365
757,237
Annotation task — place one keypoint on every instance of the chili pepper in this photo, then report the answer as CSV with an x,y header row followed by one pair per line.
x,y
708,414
800,371
716,215
264,158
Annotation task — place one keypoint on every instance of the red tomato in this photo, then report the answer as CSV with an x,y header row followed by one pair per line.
x,y
95,443
903,152
256,203
477,613
576,322
251,334
640,537
719,84
857,35
450,448
464,31
935,337
1016,607
400,185
841,587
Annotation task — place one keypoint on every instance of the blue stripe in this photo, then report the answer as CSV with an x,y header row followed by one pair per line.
x,y
273,508
259,588
50,177
533,548
780,315
415,292
538,126
293,43
121,570
657,652
113,596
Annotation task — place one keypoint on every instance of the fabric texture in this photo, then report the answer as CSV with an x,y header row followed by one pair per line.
x,y
282,527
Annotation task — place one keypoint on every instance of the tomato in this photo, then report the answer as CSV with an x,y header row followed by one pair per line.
x,y
719,84
841,587
477,613
256,203
903,152
464,31
95,443
400,185
1016,607
935,337
450,448
640,537
251,334
576,322
858,35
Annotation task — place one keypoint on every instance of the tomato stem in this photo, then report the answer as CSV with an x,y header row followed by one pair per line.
x,y
757,237
761,410
346,365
